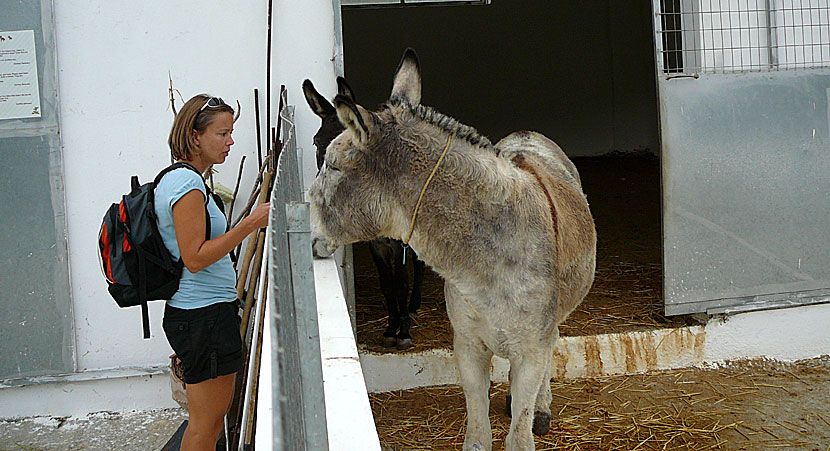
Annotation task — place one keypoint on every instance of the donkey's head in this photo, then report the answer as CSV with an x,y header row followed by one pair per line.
x,y
330,126
352,198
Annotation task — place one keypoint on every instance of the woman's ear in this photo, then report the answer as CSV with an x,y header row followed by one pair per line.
x,y
195,137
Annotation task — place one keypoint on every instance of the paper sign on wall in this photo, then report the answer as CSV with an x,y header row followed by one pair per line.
x,y
19,92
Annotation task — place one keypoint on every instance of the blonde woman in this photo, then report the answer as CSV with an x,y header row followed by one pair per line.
x,y
200,320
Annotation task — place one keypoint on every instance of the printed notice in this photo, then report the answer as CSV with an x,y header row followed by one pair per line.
x,y
19,92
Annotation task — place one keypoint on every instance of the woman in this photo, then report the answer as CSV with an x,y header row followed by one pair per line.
x,y
201,321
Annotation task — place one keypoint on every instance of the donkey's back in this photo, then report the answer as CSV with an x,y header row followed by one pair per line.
x,y
574,232
534,143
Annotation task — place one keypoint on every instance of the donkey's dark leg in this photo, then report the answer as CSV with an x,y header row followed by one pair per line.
x,y
404,340
509,398
383,255
417,280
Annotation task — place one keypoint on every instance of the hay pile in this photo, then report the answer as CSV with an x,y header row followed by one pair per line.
x,y
755,405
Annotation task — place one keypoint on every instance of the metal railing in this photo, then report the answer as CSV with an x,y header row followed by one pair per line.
x,y
299,415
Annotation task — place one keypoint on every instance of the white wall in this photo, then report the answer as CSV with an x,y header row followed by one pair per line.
x,y
113,63
783,334
304,48
114,59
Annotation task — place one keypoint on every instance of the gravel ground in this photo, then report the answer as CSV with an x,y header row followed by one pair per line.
x,y
113,431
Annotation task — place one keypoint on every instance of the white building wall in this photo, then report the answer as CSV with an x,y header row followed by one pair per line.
x,y
114,59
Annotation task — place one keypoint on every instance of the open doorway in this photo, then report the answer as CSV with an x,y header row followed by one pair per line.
x,y
583,75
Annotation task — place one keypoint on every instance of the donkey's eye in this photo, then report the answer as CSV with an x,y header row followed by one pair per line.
x,y
330,167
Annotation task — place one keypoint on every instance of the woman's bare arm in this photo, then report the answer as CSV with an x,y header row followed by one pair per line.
x,y
189,221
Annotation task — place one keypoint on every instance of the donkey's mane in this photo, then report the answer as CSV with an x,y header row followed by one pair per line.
x,y
446,123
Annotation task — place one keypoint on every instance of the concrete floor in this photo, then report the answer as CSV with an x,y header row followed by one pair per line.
x,y
113,431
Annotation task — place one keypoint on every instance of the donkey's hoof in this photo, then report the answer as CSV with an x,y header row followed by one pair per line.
x,y
541,423
390,342
403,343
507,402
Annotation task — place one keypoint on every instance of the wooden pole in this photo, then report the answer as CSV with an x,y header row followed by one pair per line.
x,y
258,127
249,427
249,297
254,244
236,189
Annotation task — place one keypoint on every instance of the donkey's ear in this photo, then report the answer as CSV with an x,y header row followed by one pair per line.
x,y
354,117
317,102
344,89
407,85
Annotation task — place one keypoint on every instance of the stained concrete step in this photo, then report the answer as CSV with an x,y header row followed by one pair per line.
x,y
574,357
785,335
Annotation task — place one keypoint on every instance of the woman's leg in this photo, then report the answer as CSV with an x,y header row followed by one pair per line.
x,y
208,402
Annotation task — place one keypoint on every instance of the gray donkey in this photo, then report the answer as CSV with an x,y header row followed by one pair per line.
x,y
388,254
507,227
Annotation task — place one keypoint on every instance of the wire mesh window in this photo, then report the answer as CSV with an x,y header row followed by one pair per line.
x,y
724,36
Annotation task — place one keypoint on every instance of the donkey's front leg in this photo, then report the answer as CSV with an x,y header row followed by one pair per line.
x,y
473,360
384,256
528,372
417,280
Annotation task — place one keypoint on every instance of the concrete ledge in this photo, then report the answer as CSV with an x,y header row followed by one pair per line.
x,y
86,376
95,391
351,425
783,334
574,357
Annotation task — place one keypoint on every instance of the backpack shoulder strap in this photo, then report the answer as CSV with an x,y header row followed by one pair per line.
x,y
208,192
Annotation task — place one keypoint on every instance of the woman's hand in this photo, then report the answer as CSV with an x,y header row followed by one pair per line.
x,y
259,217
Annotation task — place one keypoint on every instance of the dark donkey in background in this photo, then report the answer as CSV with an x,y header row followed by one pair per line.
x,y
387,253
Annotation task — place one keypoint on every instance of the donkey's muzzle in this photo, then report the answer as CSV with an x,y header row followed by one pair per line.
x,y
321,248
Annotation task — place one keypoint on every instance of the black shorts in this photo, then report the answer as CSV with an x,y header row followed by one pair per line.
x,y
206,340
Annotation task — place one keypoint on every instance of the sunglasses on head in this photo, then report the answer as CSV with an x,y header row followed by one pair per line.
x,y
212,102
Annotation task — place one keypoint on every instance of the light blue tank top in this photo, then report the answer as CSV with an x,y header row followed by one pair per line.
x,y
217,282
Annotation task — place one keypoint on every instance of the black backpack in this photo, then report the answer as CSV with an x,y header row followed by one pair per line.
x,y
136,263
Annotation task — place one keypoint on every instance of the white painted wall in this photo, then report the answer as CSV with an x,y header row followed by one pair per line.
x,y
304,48
114,59
783,334
735,35
113,63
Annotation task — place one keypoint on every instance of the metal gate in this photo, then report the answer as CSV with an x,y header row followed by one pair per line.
x,y
743,89
299,413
